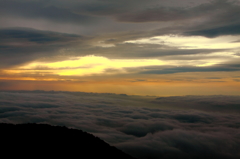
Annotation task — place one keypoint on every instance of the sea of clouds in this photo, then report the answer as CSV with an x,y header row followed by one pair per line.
x,y
144,127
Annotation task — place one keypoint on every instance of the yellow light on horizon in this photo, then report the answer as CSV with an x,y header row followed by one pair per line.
x,y
85,66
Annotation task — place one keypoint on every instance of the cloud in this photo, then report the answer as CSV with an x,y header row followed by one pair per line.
x,y
204,18
183,144
208,19
217,31
217,103
152,10
214,68
130,50
125,21
190,126
140,129
20,45
157,14
41,10
37,36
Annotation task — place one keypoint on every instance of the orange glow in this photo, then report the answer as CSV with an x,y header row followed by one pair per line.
x,y
89,74
83,66
153,86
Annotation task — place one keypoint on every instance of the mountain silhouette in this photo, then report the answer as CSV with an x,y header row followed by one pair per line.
x,y
42,140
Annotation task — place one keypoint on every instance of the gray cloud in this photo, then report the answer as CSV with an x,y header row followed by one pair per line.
x,y
31,35
217,103
183,144
217,31
237,41
152,10
191,126
129,50
24,45
170,70
220,16
140,129
217,15
221,19
19,45
41,10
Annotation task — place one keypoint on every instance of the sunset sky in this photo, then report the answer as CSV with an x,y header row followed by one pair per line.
x,y
155,78
136,47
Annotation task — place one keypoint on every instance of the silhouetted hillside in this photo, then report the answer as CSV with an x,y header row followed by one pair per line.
x,y
42,140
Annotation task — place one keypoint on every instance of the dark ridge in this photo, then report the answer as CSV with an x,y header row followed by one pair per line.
x,y
42,140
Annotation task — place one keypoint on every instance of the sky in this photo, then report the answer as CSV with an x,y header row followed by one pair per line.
x,y
137,47
155,78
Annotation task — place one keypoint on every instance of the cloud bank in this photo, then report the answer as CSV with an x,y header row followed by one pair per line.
x,y
145,127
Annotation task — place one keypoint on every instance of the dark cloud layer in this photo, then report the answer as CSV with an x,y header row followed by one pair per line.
x,y
32,35
19,45
216,17
218,31
90,18
214,68
40,10
197,130
217,103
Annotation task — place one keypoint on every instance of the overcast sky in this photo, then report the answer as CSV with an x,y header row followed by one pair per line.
x,y
147,47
